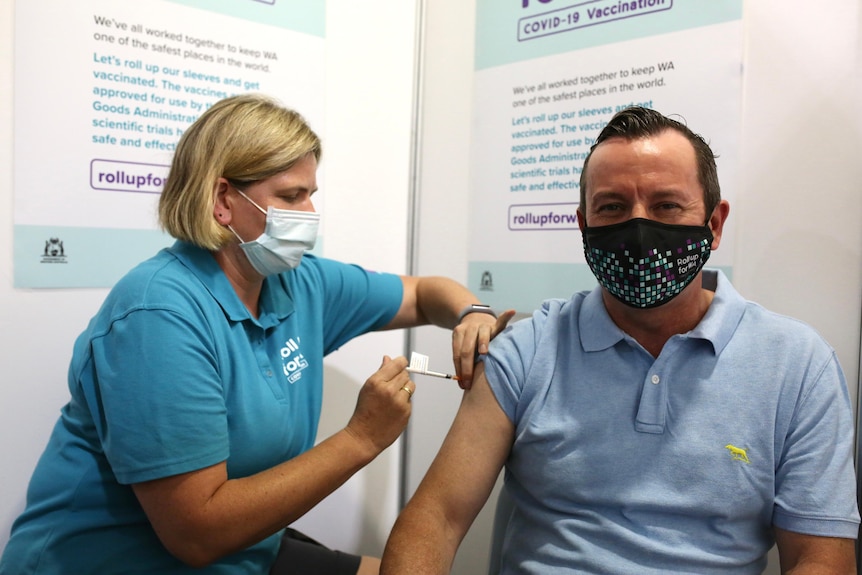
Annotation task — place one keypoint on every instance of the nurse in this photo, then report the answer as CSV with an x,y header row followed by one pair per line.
x,y
189,439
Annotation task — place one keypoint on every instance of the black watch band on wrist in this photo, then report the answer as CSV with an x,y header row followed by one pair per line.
x,y
475,308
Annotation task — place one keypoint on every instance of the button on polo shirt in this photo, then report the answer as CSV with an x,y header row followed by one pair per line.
x,y
661,377
660,381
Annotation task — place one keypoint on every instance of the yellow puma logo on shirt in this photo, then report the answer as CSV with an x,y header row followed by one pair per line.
x,y
737,453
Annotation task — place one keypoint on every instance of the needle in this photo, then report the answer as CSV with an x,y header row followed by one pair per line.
x,y
432,373
419,364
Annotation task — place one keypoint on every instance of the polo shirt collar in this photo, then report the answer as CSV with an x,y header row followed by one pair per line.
x,y
724,313
276,302
598,331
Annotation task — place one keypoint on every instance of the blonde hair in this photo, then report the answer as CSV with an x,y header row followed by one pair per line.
x,y
244,139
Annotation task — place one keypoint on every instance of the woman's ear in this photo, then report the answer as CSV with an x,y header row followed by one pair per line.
x,y
222,204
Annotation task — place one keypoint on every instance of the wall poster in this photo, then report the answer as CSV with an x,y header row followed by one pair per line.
x,y
104,89
549,75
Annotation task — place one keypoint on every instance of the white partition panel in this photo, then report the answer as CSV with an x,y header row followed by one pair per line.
x,y
798,247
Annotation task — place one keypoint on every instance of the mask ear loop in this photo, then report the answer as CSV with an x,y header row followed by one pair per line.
x,y
242,193
236,234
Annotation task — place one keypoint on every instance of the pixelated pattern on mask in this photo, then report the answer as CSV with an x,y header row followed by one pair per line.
x,y
648,281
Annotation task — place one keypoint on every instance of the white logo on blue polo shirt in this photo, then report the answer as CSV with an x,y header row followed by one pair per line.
x,y
294,363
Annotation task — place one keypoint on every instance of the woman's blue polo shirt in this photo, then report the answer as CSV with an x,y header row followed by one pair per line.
x,y
172,375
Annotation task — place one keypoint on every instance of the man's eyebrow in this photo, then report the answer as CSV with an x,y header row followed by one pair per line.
x,y
609,195
659,194
613,194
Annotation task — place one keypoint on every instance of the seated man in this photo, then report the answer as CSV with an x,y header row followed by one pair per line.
x,y
659,423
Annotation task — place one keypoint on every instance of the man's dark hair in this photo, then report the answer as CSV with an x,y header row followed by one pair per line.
x,y
636,122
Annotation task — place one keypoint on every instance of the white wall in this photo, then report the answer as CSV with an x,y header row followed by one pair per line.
x,y
367,158
370,65
799,206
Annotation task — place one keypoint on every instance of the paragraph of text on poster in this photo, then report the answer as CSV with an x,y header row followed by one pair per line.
x,y
149,84
557,141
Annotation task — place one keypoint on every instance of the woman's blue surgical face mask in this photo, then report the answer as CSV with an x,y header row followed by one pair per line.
x,y
287,235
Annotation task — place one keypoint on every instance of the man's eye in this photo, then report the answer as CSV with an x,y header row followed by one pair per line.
x,y
608,208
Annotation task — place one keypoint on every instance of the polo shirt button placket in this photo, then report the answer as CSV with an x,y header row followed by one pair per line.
x,y
652,406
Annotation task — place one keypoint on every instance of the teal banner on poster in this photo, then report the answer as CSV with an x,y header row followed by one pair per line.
x,y
306,16
523,286
63,256
515,30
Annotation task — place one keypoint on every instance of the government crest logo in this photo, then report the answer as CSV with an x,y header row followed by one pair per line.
x,y
54,252
487,282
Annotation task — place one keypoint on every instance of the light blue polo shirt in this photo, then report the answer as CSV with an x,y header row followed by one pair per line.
x,y
625,463
172,375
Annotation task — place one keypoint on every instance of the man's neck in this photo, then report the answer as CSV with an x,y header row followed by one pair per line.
x,y
653,327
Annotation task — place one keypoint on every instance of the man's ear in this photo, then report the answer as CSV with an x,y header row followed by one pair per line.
x,y
582,219
716,222
222,204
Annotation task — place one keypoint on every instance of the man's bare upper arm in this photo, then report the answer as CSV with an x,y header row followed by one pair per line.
x,y
464,472
810,554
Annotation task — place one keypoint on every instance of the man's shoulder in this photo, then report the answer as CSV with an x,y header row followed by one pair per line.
x,y
547,320
752,321
770,325
564,306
